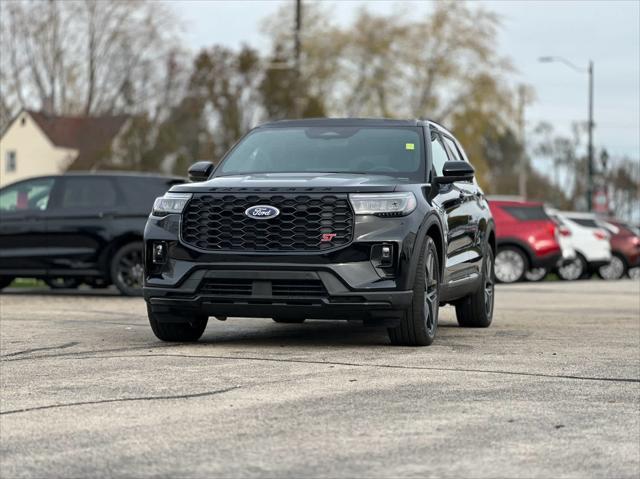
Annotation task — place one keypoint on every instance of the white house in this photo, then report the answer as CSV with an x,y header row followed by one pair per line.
x,y
35,144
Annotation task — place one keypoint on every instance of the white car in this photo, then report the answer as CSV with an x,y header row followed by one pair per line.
x,y
589,240
563,234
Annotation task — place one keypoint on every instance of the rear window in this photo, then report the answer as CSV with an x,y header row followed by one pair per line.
x,y
526,213
587,222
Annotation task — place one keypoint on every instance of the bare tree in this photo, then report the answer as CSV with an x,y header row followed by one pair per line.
x,y
85,56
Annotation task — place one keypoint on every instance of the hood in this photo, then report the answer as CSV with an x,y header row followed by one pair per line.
x,y
334,182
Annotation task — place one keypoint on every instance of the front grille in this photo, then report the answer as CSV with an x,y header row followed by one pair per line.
x,y
216,222
278,287
306,288
227,287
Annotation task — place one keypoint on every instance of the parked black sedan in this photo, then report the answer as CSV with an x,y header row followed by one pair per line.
x,y
78,227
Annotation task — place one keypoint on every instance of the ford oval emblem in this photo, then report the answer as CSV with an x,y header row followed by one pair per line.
x,y
262,212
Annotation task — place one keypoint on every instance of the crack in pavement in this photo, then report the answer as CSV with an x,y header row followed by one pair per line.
x,y
373,365
62,346
76,353
102,401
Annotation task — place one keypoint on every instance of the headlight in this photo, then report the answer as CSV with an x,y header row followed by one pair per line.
x,y
383,204
170,203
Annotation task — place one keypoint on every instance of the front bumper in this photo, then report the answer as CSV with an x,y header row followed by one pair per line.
x,y
345,283
275,293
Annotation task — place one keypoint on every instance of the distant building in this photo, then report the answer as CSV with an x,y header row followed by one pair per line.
x,y
35,144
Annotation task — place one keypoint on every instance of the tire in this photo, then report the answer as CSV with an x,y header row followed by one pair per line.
x,y
5,281
536,274
511,264
419,324
573,270
476,310
127,269
616,269
62,283
289,320
634,273
176,328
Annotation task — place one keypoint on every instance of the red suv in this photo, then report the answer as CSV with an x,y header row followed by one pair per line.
x,y
625,249
526,238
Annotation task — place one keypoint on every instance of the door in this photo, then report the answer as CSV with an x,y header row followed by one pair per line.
x,y
473,205
456,202
24,249
79,223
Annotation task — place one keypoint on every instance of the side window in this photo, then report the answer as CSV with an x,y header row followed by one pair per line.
x,y
26,196
453,149
87,193
10,161
438,153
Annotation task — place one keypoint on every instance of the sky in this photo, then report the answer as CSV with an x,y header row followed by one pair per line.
x,y
607,32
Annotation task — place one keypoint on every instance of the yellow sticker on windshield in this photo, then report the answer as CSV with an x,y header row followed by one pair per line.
x,y
409,146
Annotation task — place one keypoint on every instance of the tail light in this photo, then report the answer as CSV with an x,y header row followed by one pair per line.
x,y
599,234
564,231
636,241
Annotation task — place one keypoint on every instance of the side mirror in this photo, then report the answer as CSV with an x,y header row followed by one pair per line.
x,y
200,171
453,171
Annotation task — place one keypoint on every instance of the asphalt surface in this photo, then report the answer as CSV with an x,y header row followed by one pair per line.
x,y
551,389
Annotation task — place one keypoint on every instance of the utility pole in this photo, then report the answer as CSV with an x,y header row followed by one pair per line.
x,y
297,53
590,146
590,126
522,177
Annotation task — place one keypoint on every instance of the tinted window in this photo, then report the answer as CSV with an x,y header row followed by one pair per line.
x,y
438,153
453,149
526,213
395,151
588,222
88,193
26,196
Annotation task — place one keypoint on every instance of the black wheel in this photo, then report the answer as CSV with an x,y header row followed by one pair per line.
x,y
62,283
177,328
289,320
419,324
5,281
476,310
510,264
573,270
616,269
127,269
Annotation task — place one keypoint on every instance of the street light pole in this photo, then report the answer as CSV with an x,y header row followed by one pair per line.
x,y
590,146
590,126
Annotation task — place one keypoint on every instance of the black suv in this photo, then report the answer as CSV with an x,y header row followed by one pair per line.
x,y
80,227
376,220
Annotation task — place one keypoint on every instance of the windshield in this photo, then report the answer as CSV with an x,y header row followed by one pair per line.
x,y
395,151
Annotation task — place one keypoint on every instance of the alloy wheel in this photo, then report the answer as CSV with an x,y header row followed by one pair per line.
x,y
509,266
130,269
535,274
489,285
572,271
613,270
431,299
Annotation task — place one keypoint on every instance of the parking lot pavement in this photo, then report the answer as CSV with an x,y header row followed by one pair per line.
x,y
551,389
